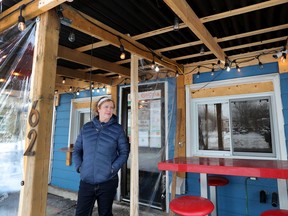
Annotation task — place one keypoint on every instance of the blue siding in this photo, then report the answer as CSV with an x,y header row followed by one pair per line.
x,y
63,176
232,197
284,97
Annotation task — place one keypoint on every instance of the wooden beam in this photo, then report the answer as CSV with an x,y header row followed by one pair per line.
x,y
188,16
233,48
67,72
33,196
33,9
250,88
134,177
243,10
228,38
206,19
92,27
84,59
267,56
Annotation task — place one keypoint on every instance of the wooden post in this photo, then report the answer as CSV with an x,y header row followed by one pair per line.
x,y
180,145
134,178
114,95
33,196
180,140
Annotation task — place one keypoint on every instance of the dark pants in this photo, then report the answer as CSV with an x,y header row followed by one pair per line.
x,y
104,193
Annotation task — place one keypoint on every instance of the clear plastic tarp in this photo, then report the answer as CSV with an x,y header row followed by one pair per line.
x,y
16,57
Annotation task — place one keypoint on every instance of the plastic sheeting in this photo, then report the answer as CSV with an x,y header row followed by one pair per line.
x,y
156,122
16,57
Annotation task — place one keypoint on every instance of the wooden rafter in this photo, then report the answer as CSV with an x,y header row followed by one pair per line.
x,y
234,48
32,10
206,19
82,58
268,58
98,30
188,16
76,74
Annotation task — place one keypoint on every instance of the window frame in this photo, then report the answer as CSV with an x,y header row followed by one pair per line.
x,y
192,147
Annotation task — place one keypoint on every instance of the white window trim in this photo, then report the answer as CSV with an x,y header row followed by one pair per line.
x,y
75,116
276,104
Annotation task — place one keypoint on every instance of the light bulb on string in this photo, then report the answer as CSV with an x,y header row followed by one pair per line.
x,y
21,19
72,37
122,50
157,69
176,24
238,68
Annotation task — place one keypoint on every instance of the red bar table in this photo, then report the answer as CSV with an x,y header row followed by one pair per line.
x,y
276,169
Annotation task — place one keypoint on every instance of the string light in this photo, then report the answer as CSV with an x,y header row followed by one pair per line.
x,y
198,73
259,62
56,92
202,51
283,57
72,37
21,19
157,69
70,89
64,80
77,93
238,68
176,24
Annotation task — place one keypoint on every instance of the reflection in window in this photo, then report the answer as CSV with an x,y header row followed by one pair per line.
x,y
213,126
251,126
249,121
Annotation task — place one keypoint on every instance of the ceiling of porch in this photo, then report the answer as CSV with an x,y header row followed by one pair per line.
x,y
238,32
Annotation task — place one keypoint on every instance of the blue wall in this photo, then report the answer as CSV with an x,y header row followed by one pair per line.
x,y
63,176
241,196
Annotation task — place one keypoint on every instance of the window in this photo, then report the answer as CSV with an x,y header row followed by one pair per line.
x,y
234,126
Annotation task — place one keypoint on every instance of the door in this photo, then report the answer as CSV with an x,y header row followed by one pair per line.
x,y
152,137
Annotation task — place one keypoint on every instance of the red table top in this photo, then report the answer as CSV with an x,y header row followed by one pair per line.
x,y
228,166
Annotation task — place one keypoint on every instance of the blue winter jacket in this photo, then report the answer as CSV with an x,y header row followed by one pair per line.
x,y
100,150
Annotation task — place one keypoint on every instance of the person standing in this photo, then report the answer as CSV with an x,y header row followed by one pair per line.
x,y
99,152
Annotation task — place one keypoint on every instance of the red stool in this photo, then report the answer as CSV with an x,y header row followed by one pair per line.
x,y
276,212
191,206
213,182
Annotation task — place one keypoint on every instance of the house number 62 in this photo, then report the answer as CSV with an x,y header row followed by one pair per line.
x,y
33,120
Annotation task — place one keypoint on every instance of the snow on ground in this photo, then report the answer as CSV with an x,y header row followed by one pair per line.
x,y
11,157
250,140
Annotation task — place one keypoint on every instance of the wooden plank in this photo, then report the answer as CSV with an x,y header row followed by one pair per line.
x,y
188,16
84,59
233,48
77,74
33,196
134,172
283,66
32,10
114,96
243,10
181,123
234,90
264,58
92,27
